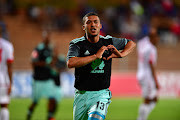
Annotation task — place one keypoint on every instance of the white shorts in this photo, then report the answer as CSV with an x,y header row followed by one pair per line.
x,y
148,89
4,97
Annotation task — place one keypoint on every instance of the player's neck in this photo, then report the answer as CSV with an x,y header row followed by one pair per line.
x,y
153,42
93,39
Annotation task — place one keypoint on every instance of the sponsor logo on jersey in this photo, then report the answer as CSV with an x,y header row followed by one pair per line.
x,y
97,66
87,52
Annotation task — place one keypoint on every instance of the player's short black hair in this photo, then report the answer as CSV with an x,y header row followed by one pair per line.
x,y
89,14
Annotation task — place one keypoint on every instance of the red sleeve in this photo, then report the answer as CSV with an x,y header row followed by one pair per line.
x,y
10,61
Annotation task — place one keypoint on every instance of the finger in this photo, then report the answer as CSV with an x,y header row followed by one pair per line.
x,y
109,57
104,58
112,49
105,48
110,46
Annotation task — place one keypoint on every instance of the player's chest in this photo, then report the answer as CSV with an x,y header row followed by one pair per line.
x,y
45,53
3,54
90,48
87,50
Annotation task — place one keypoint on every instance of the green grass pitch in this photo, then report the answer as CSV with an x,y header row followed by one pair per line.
x,y
119,109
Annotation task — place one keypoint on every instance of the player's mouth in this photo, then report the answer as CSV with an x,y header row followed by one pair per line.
x,y
93,30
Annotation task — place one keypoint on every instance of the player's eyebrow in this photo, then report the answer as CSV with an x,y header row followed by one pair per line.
x,y
95,21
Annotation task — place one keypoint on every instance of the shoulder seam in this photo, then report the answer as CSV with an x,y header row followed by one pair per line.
x,y
105,37
78,40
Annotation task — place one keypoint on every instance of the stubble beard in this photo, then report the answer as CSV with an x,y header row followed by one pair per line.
x,y
92,36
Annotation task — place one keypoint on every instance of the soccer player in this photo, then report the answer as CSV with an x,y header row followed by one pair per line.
x,y
43,85
146,74
91,56
6,61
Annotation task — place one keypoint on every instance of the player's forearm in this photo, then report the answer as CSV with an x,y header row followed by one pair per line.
x,y
10,72
75,62
154,75
128,48
155,79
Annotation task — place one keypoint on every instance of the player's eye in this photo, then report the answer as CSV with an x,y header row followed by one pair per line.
x,y
88,22
96,21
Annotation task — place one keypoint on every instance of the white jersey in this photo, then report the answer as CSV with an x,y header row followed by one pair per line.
x,y
147,53
6,55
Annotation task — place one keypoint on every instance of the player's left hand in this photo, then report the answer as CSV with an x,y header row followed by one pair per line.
x,y
114,51
9,90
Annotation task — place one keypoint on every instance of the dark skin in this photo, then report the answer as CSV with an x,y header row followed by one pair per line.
x,y
9,66
92,28
46,41
51,102
10,76
154,40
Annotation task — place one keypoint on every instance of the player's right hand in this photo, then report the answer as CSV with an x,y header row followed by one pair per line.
x,y
101,51
157,86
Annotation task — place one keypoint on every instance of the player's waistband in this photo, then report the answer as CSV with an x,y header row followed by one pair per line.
x,y
92,92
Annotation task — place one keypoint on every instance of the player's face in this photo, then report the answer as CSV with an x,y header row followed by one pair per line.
x,y
155,39
154,36
92,25
46,39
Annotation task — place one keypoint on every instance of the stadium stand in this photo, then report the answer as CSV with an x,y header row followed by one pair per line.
x,y
25,35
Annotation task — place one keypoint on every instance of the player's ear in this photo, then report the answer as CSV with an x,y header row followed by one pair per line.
x,y
100,26
83,27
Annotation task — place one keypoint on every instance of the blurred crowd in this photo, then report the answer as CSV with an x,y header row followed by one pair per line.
x,y
131,20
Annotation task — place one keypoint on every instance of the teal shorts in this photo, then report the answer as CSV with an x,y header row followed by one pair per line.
x,y
42,89
91,104
57,93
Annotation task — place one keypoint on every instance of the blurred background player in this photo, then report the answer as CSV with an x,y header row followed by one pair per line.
x,y
146,74
58,67
6,61
42,58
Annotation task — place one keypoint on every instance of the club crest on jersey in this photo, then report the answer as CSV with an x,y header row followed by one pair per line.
x,y
98,63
